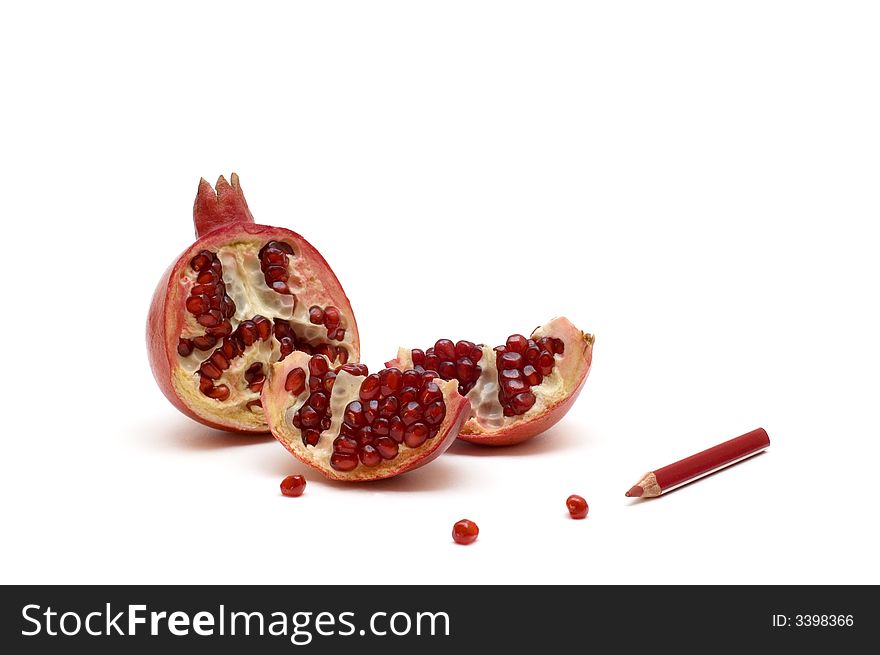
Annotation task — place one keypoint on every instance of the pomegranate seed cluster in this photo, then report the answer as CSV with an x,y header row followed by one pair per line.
x,y
451,361
214,309
314,416
233,346
288,342
273,263
522,364
209,303
328,317
394,407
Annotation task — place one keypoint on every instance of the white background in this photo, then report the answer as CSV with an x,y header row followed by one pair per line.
x,y
696,183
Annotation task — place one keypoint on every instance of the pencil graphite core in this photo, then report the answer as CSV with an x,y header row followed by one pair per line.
x,y
635,492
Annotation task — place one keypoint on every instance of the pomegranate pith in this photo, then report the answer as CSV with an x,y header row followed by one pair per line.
x,y
465,532
236,301
351,425
519,389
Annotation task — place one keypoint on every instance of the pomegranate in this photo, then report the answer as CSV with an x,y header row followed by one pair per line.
x,y
516,390
240,298
354,426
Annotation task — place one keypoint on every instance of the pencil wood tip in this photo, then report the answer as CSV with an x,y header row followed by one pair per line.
x,y
635,492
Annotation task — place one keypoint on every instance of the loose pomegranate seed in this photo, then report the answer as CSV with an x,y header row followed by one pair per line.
x,y
184,347
577,507
465,532
293,485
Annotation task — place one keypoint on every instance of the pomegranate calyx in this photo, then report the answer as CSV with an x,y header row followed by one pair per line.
x,y
221,205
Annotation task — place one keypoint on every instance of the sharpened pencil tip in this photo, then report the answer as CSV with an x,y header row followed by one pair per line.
x,y
635,492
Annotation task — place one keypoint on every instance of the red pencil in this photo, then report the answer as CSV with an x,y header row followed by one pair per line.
x,y
696,466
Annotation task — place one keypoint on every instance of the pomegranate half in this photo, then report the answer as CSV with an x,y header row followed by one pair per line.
x,y
516,390
240,298
354,426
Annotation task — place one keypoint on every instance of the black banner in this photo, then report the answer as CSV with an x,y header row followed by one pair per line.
x,y
433,619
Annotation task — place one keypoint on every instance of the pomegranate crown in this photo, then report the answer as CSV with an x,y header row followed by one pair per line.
x,y
224,204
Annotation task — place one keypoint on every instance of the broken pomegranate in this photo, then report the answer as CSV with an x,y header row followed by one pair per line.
x,y
240,298
516,390
354,426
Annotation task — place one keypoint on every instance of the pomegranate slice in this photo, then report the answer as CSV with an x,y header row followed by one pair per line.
x,y
517,390
241,297
354,426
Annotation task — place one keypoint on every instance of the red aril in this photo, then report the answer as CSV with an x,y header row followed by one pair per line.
x,y
354,426
293,486
240,298
517,390
577,506
465,532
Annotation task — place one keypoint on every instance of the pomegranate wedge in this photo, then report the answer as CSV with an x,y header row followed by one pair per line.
x,y
357,427
516,390
241,297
